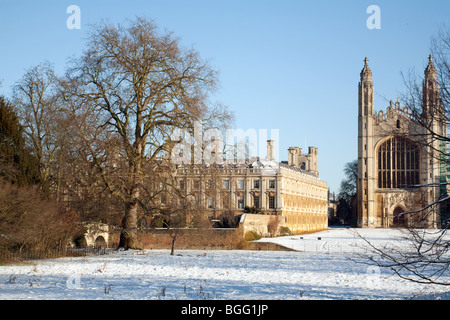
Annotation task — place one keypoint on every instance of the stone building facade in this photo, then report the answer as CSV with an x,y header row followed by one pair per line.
x,y
399,170
291,189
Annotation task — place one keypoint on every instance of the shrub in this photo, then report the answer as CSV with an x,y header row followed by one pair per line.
x,y
29,222
253,210
285,231
251,236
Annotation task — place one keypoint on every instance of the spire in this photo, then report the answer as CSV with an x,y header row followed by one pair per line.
x,y
366,73
430,90
430,70
366,91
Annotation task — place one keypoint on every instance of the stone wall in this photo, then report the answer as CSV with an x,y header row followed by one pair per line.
x,y
200,239
214,238
263,225
299,223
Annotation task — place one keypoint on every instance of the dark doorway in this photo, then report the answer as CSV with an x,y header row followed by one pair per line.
x,y
400,220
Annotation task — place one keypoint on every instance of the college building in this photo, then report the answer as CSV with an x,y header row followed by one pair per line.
x,y
290,189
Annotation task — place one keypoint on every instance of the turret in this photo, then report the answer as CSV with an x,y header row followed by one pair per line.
x,y
366,97
430,92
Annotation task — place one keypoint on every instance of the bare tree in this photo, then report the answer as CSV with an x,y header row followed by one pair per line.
x,y
132,88
36,101
421,256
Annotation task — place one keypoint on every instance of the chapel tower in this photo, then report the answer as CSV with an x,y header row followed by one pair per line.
x,y
365,192
433,118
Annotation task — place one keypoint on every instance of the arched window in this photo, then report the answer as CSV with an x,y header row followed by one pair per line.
x,y
398,163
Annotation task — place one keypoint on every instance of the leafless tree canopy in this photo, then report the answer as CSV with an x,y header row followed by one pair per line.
x,y
127,93
36,101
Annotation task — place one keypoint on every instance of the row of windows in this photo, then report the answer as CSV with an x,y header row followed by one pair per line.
x,y
241,202
226,184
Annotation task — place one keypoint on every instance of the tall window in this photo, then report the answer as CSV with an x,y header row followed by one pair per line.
x,y
271,184
240,201
210,202
256,201
271,202
398,163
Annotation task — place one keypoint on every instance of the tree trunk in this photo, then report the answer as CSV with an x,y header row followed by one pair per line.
x,y
172,251
129,236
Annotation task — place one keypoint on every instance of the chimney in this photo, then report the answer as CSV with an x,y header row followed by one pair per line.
x,y
271,150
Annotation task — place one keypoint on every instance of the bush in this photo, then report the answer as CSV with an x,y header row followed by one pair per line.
x,y
30,223
251,236
253,210
227,220
285,231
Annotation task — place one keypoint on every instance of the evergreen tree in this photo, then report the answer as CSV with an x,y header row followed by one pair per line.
x,y
347,194
17,164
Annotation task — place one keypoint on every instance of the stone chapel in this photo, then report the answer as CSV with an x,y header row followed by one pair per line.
x,y
399,167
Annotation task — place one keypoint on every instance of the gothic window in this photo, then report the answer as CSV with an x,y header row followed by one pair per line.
x,y
398,163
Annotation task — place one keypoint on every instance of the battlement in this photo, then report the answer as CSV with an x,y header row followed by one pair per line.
x,y
392,110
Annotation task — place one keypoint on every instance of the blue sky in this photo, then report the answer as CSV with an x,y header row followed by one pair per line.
x,y
287,64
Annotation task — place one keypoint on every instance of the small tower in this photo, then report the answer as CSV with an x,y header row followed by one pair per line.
x,y
366,161
313,154
430,91
307,162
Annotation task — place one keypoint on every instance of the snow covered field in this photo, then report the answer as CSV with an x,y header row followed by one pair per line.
x,y
321,270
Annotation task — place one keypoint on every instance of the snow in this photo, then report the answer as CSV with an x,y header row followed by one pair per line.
x,y
323,269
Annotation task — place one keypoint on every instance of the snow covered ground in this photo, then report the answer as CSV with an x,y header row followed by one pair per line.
x,y
322,269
